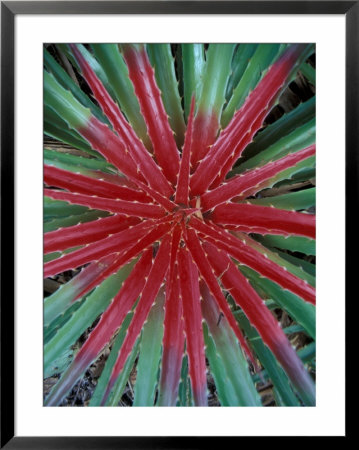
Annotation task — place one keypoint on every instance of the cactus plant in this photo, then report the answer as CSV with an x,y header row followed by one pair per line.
x,y
179,229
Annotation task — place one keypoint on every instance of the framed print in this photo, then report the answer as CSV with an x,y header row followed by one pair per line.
x,y
179,174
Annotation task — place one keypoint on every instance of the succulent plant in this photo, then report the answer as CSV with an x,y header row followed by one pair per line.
x,y
180,229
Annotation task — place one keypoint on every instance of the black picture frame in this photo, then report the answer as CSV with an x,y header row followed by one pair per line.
x,y
9,10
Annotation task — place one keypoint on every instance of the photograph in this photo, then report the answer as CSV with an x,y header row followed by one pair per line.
x,y
179,224
177,185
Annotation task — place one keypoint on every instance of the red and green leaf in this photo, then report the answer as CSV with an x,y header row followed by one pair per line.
x,y
261,318
190,296
245,122
153,111
147,297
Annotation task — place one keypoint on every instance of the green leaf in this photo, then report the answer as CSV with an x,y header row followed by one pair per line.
x,y
193,65
64,136
55,209
258,63
68,83
184,390
293,329
301,311
298,139
281,127
64,222
77,163
111,360
228,364
60,364
305,265
307,353
266,357
91,60
162,60
304,171
293,201
240,61
292,243
58,129
56,303
150,354
97,68
272,255
309,72
215,77
51,256
51,329
99,175
64,359
84,317
225,391
64,103
117,391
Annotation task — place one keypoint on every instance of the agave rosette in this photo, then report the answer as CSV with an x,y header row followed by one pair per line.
x,y
169,223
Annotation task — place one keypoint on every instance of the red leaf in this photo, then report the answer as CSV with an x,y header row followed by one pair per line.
x,y
86,233
158,197
115,206
205,130
240,184
116,243
124,257
251,258
238,148
106,142
182,190
253,229
275,221
81,184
